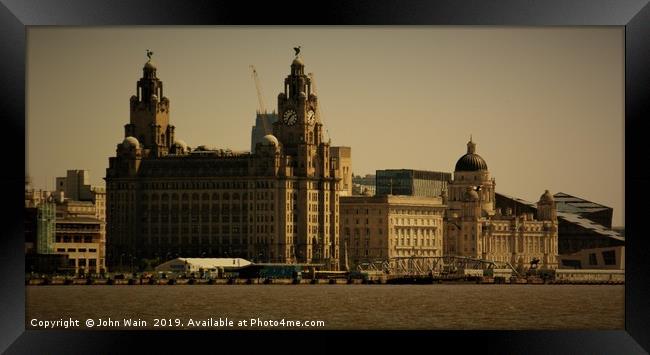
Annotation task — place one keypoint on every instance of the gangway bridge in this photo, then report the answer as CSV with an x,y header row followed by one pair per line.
x,y
436,266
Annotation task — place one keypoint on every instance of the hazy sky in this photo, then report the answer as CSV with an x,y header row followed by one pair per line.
x,y
544,105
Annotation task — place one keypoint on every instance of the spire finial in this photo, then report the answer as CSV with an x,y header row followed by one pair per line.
x,y
297,50
149,54
471,146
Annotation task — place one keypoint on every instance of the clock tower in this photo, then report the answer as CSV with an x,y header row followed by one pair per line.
x,y
312,231
299,128
149,122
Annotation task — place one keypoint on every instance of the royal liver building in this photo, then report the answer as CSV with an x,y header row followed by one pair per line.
x,y
279,203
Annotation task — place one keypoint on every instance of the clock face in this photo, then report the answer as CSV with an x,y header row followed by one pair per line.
x,y
311,117
290,117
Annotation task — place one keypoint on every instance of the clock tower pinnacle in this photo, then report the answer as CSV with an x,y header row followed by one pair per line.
x,y
299,122
149,121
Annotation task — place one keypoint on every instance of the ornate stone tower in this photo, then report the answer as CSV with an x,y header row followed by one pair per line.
x,y
299,127
472,171
546,210
547,214
313,231
149,121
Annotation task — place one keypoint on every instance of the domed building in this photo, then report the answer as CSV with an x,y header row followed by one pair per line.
x,y
471,171
277,203
475,228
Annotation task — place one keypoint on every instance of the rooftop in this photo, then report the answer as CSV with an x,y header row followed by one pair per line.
x,y
568,203
209,263
393,199
576,219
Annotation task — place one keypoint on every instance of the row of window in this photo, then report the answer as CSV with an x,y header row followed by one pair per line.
x,y
217,242
415,221
82,263
206,196
75,239
79,227
429,242
235,229
74,250
416,252
204,185
401,232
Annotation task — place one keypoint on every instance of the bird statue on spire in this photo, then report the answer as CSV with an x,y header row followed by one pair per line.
x,y
149,54
297,49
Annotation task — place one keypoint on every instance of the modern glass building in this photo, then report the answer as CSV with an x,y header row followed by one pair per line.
x,y
411,182
45,227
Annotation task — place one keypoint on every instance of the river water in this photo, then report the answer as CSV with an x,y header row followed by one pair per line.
x,y
438,306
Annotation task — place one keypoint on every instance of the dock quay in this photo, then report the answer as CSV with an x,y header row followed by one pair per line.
x,y
390,279
396,271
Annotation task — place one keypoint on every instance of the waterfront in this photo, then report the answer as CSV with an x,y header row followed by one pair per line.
x,y
439,306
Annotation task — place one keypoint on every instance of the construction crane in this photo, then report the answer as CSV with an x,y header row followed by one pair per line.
x,y
260,99
312,77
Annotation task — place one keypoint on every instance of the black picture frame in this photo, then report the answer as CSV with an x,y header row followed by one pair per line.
x,y
15,15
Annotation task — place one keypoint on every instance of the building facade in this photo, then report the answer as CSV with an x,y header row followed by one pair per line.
x,y
342,160
575,232
82,239
75,185
596,258
263,125
411,182
586,209
364,185
279,203
99,200
382,227
40,217
475,228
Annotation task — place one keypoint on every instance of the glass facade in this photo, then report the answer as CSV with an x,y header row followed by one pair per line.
x,y
46,224
411,182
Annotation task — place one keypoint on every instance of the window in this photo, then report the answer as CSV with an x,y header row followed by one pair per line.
x,y
72,249
609,257
592,259
60,250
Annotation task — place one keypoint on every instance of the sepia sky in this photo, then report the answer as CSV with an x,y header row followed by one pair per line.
x,y
544,105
